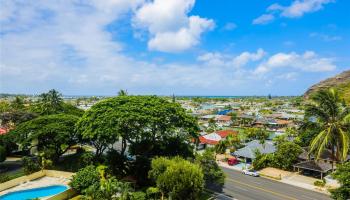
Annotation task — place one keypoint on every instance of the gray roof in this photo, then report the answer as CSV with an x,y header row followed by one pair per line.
x,y
314,166
249,150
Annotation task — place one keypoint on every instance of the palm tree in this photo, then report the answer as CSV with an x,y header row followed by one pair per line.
x,y
333,118
122,93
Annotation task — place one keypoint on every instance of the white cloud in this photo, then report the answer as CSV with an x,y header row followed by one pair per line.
x,y
219,59
46,45
246,57
264,19
325,37
300,7
295,10
309,61
230,26
169,26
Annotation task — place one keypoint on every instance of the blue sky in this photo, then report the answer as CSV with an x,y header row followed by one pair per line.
x,y
185,47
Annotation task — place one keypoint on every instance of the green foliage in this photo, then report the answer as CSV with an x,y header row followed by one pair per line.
x,y
135,118
86,159
286,155
213,174
177,178
262,160
2,154
342,174
138,196
54,134
320,183
333,118
85,178
29,165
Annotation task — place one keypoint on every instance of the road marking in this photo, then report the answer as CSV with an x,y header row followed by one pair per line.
x,y
308,197
240,188
256,182
262,189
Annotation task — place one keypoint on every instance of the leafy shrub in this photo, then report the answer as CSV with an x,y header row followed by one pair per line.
x,y
86,159
138,196
320,183
4,178
30,165
213,174
85,178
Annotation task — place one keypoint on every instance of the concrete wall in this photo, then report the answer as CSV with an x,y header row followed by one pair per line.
x,y
64,195
36,175
17,181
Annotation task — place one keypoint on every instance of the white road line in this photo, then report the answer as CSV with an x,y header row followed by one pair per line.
x,y
240,188
256,182
308,197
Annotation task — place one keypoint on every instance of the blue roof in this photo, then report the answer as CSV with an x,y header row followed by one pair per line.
x,y
224,112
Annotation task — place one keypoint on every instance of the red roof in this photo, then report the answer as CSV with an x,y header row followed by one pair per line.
x,y
203,140
3,131
224,118
225,133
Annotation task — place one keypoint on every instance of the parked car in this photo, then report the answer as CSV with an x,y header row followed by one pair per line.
x,y
232,161
250,172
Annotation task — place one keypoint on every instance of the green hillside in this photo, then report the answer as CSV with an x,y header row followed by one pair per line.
x,y
341,82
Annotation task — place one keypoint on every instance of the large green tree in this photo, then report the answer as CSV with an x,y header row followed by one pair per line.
x,y
53,134
133,119
177,178
51,102
333,120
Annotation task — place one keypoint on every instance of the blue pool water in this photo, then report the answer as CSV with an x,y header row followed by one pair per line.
x,y
34,193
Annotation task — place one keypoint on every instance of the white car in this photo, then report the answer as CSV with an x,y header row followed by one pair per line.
x,y
250,172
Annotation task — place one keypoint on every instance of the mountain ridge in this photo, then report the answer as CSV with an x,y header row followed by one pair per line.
x,y
341,82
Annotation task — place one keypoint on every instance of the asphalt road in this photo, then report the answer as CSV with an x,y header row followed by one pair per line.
x,y
243,187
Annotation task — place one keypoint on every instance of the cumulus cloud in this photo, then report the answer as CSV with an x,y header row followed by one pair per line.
x,y
325,37
219,59
296,9
169,26
46,45
264,19
309,61
230,26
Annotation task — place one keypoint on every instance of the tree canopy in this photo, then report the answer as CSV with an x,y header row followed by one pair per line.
x,y
342,174
54,133
333,119
134,119
177,178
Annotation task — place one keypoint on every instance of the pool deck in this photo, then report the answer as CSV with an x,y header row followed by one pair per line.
x,y
40,182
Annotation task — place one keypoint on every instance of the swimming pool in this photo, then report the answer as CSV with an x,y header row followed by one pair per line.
x,y
34,193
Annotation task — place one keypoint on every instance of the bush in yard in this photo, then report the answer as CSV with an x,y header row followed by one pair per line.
x,y
177,178
320,183
30,165
286,155
85,178
86,159
138,196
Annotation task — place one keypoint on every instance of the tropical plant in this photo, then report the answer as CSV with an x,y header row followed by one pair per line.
x,y
135,119
53,134
213,174
177,178
85,178
333,118
30,165
342,174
